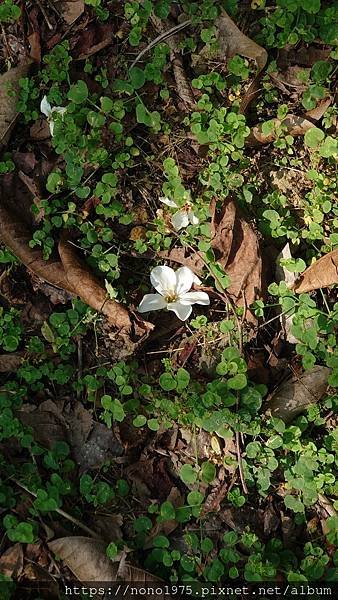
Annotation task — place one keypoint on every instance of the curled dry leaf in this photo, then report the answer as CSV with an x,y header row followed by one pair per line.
x,y
236,248
71,10
292,124
11,562
87,560
232,41
70,273
321,274
83,282
299,392
10,362
8,112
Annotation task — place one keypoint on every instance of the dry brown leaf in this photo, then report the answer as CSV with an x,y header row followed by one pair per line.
x,y
8,112
83,282
11,561
232,41
322,273
10,362
71,10
236,248
87,560
321,108
85,557
69,273
299,392
293,124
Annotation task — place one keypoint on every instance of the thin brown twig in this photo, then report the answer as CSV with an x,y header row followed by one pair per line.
x,y
45,16
62,513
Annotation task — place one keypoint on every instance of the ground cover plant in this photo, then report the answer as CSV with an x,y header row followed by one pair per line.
x,y
169,310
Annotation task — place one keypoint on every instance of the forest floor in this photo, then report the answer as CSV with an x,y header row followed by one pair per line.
x,y
168,299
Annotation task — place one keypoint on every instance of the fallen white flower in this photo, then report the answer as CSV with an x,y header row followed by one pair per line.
x,y
173,292
48,111
182,217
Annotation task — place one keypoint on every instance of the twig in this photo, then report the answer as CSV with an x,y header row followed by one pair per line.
x,y
62,513
50,26
161,38
240,464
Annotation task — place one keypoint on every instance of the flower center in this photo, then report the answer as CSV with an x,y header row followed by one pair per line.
x,y
171,297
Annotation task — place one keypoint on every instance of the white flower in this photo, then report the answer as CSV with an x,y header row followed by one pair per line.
x,y
173,292
182,217
48,111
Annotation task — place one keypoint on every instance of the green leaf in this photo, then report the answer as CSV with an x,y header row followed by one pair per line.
x,y
167,511
208,472
139,421
187,474
294,504
78,92
137,77
238,382
182,378
112,550
153,424
275,441
160,541
195,498
313,137
167,382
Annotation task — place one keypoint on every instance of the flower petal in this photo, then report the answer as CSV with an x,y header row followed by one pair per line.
x,y
168,202
51,127
164,280
197,280
61,110
151,302
195,298
181,311
192,218
180,219
184,280
45,107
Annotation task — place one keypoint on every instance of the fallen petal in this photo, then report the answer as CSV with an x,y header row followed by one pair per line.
x,y
184,280
168,202
192,218
180,220
181,311
163,279
45,107
195,298
151,302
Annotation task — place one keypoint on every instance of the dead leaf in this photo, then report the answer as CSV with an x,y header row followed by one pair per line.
x,y
321,274
83,282
91,40
8,112
236,248
91,443
292,124
71,10
11,562
85,557
298,392
35,46
69,273
232,41
317,113
10,362
87,560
